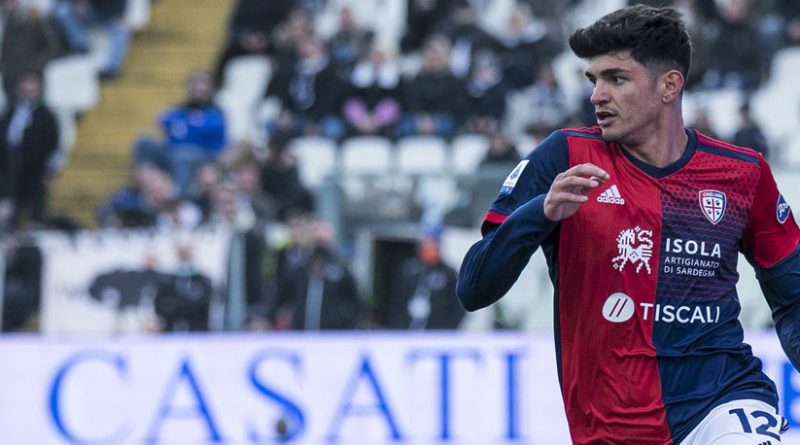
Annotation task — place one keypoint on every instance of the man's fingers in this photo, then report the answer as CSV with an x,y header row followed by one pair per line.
x,y
587,170
577,182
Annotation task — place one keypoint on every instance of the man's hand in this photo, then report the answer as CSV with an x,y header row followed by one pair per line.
x,y
569,190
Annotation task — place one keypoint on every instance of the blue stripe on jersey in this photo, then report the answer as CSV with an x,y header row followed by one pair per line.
x,y
720,151
582,134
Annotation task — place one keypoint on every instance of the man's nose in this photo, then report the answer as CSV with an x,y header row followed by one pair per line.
x,y
599,94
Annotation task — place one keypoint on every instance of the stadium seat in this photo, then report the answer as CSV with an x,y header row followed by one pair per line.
x,y
67,134
366,155
137,13
246,79
316,159
468,151
422,155
776,106
70,83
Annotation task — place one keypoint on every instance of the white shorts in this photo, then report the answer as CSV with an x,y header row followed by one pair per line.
x,y
741,422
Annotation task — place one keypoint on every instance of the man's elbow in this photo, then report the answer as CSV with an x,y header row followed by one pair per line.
x,y
470,297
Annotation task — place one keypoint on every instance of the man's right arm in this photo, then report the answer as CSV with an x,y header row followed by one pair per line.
x,y
538,193
494,263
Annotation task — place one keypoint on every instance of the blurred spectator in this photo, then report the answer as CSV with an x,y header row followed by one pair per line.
x,y
179,214
373,105
486,92
250,31
150,200
22,289
207,178
77,17
288,36
130,206
321,293
422,17
349,44
29,136
423,295
526,46
193,134
466,36
246,174
789,11
501,152
29,42
183,298
737,56
544,104
584,116
434,97
702,122
247,297
310,93
749,133
280,179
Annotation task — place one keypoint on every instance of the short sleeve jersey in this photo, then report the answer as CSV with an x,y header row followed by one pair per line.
x,y
647,332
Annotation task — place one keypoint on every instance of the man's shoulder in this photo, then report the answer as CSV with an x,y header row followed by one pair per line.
x,y
718,147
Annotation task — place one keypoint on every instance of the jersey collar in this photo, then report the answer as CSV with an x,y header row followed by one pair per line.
x,y
656,172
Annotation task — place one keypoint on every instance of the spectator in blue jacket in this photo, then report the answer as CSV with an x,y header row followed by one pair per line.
x,y
193,134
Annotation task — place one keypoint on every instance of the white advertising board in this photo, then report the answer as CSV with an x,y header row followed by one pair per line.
x,y
344,389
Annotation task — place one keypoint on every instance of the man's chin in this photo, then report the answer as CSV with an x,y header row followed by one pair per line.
x,y
609,135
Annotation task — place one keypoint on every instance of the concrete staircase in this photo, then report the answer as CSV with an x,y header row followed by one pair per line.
x,y
183,35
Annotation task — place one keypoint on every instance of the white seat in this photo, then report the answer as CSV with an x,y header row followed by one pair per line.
x,y
70,83
67,131
316,158
366,154
468,152
137,13
422,155
246,78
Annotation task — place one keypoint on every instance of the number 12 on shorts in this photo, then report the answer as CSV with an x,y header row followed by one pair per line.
x,y
771,427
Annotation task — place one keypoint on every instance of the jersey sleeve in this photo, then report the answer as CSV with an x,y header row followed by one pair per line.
x,y
530,178
770,244
514,227
771,234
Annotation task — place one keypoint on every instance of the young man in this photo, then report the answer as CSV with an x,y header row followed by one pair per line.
x,y
641,221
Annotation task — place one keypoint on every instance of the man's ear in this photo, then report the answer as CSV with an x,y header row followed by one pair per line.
x,y
671,84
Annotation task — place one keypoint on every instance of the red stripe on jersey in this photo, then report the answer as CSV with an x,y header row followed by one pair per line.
x,y
492,218
587,130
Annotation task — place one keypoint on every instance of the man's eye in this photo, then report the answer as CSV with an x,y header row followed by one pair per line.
x,y
617,80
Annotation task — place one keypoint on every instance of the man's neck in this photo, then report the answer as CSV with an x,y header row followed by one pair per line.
x,y
661,145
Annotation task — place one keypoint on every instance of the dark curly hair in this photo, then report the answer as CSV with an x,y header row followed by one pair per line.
x,y
656,37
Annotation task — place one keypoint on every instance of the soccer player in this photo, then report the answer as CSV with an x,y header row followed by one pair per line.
x,y
641,221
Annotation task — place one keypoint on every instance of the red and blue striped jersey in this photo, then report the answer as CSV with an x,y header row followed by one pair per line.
x,y
646,310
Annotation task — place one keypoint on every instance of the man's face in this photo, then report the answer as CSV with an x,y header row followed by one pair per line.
x,y
29,88
626,97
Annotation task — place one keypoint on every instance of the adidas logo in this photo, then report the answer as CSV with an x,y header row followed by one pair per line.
x,y
611,196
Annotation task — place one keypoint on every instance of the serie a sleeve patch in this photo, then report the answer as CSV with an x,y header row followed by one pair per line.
x,y
513,177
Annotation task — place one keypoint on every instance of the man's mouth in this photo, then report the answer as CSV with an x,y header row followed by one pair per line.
x,y
604,117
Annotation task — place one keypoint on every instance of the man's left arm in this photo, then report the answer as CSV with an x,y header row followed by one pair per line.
x,y
781,287
770,244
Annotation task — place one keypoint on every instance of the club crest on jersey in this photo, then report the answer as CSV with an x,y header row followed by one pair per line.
x,y
634,246
513,177
782,211
713,203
